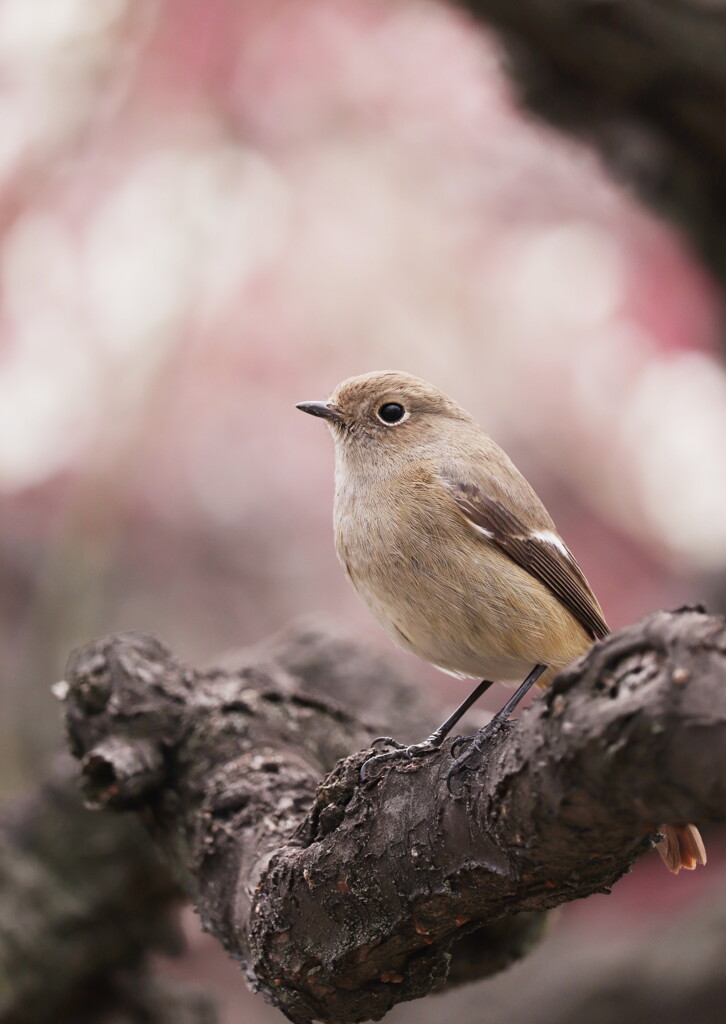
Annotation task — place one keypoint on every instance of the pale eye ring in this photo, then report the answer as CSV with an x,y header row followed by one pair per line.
x,y
391,412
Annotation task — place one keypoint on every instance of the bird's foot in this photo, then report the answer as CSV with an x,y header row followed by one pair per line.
x,y
388,741
471,758
369,768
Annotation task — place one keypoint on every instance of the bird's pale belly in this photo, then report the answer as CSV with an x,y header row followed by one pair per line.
x,y
468,632
436,644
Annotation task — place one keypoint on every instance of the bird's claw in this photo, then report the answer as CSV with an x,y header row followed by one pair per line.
x,y
366,772
458,743
388,741
461,764
471,758
409,752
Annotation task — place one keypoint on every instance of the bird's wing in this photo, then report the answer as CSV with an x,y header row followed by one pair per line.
x,y
540,552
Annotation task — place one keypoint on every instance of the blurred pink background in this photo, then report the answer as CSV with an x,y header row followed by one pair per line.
x,y
212,211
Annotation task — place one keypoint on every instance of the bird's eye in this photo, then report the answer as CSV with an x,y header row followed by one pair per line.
x,y
391,412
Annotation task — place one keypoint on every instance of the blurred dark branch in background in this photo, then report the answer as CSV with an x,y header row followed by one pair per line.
x,y
84,901
671,975
342,899
669,971
644,82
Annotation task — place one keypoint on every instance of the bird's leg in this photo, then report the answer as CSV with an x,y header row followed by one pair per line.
x,y
492,728
433,742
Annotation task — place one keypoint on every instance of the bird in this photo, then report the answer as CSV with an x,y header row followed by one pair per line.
x,y
456,556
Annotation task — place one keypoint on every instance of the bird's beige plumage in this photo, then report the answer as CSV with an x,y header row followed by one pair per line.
x,y
428,516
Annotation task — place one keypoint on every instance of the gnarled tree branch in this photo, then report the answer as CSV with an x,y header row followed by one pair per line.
x,y
342,898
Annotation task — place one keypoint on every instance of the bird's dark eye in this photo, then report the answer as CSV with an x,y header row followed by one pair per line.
x,y
391,412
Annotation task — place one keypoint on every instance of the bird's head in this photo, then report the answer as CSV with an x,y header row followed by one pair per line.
x,y
389,411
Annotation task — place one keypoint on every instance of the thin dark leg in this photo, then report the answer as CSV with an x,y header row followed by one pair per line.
x,y
440,734
493,727
434,740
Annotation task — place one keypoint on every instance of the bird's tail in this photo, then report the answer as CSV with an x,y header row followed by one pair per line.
x,y
681,847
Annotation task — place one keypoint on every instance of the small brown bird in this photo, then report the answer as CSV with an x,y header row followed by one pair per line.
x,y
456,556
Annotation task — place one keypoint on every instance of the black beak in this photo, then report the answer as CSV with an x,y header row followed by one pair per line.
x,y
324,409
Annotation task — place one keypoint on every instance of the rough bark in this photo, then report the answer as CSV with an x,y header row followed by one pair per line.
x,y
644,81
341,898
